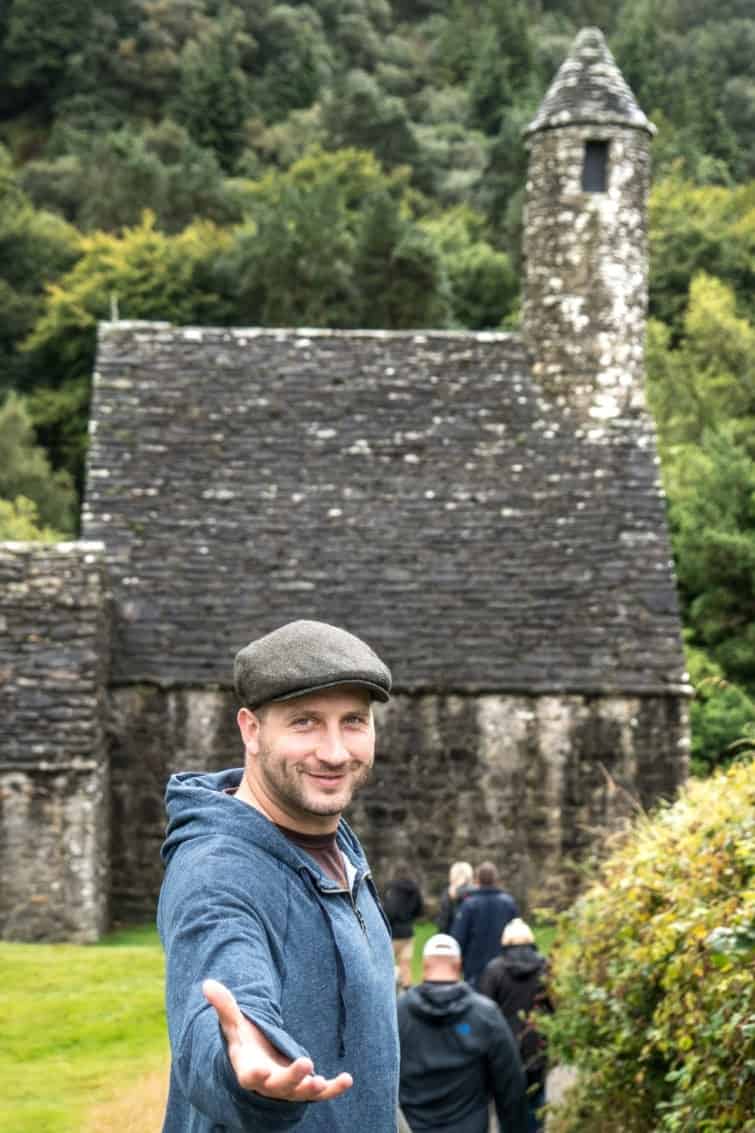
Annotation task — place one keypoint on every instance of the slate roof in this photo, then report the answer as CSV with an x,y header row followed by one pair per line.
x,y
418,489
589,89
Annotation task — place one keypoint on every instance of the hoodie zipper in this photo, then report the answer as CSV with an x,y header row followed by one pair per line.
x,y
357,911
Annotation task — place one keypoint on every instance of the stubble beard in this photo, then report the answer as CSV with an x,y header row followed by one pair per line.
x,y
288,786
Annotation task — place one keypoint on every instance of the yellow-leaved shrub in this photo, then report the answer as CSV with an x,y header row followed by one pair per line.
x,y
654,973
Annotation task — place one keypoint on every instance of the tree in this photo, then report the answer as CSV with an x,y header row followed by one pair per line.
x,y
332,242
400,272
109,179
35,247
502,73
293,264
31,492
213,97
19,522
151,276
709,379
713,532
39,41
722,715
357,113
483,284
295,60
692,229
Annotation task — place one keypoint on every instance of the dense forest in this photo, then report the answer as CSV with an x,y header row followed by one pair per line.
x,y
360,163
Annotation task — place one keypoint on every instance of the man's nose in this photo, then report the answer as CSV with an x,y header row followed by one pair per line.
x,y
332,749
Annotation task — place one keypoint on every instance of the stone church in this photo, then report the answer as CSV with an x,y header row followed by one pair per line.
x,y
483,508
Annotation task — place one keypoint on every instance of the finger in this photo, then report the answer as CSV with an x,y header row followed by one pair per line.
x,y
272,1081
334,1087
218,995
309,1088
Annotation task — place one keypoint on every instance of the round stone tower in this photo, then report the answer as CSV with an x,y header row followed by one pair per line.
x,y
586,234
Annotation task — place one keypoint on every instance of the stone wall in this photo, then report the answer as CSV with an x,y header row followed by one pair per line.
x,y
531,782
54,782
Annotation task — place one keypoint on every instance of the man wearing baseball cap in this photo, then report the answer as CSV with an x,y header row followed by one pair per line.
x,y
456,1054
279,968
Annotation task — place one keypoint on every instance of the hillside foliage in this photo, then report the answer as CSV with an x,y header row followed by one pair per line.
x,y
360,163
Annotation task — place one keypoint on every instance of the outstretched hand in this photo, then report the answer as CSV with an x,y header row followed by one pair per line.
x,y
259,1066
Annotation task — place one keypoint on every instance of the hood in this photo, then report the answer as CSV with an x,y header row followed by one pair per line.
x,y
439,1001
199,806
522,960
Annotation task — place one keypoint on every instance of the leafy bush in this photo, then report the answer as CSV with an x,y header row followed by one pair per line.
x,y
653,973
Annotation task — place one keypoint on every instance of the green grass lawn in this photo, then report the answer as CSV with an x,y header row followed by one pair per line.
x,y
76,1022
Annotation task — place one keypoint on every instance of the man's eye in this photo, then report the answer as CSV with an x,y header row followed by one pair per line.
x,y
301,721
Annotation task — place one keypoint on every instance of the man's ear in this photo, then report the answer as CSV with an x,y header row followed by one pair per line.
x,y
249,726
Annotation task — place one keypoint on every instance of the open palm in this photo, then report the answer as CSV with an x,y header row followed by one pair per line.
x,y
259,1066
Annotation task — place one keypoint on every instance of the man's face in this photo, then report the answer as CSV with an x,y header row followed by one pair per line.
x,y
305,757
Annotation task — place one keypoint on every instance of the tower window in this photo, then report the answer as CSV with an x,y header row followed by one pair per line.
x,y
595,168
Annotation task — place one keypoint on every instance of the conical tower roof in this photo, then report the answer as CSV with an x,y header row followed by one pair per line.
x,y
589,89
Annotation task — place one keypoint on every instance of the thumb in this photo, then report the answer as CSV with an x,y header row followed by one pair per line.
x,y
219,997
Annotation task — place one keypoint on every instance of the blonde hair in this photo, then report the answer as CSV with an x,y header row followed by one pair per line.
x,y
460,873
517,932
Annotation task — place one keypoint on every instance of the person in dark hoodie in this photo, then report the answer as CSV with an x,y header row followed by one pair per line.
x,y
482,917
279,969
516,981
402,902
457,1052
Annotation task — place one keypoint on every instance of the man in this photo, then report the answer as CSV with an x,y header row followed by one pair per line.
x,y
457,1052
279,967
516,982
482,917
402,905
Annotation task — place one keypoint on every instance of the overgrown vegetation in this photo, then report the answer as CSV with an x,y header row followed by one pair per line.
x,y
361,164
654,973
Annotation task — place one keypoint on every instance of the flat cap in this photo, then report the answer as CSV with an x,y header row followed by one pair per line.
x,y
303,657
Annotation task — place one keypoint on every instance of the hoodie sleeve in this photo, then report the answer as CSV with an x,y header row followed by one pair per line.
x,y
507,1078
211,928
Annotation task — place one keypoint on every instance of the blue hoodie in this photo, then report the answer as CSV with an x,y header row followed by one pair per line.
x,y
307,961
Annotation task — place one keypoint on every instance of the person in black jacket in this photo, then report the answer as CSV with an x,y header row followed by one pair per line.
x,y
460,878
515,980
457,1052
482,917
402,904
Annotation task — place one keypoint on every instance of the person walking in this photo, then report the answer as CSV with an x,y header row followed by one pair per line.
x,y
457,1052
482,917
460,883
280,990
403,904
516,981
